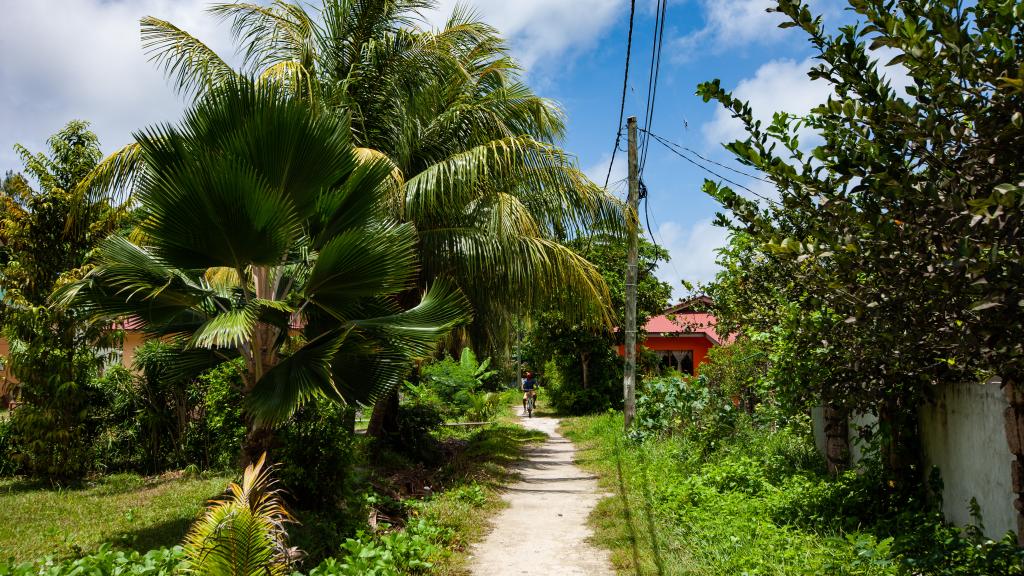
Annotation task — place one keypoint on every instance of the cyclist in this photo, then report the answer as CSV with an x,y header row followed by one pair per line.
x,y
529,387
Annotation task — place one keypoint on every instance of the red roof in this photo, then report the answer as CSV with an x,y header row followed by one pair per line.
x,y
683,319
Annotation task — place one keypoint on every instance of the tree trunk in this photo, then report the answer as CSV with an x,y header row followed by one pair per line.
x,y
584,358
1013,419
837,439
258,441
898,424
385,415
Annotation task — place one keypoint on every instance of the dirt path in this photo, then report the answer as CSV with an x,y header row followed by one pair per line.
x,y
544,529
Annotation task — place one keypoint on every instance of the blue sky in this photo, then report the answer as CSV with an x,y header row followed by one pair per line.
x,y
64,59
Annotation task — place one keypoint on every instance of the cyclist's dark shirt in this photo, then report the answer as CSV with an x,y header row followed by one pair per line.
x,y
529,384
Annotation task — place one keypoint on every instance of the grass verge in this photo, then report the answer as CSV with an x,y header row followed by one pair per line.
x,y
125,509
663,519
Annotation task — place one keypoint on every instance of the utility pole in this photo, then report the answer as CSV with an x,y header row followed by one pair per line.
x,y
632,228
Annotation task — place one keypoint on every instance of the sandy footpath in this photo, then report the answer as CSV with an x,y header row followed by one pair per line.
x,y
544,529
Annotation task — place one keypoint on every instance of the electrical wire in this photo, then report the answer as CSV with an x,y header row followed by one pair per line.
x,y
653,75
698,155
668,146
625,84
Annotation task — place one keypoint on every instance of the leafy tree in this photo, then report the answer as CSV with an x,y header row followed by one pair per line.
x,y
897,239
264,237
589,371
52,351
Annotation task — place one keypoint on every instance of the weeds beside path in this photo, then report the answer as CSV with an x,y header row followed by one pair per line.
x,y
665,519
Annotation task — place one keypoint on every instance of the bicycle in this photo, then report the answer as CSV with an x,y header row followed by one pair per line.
x,y
531,403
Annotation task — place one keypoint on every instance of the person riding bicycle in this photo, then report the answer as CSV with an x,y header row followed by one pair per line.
x,y
529,388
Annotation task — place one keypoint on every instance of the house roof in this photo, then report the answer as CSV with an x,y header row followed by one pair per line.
x,y
683,319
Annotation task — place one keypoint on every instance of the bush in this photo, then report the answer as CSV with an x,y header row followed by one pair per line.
x,y
398,553
151,419
667,405
214,437
8,466
119,442
412,436
316,453
564,382
458,387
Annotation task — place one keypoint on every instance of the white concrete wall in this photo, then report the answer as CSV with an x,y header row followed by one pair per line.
x,y
963,435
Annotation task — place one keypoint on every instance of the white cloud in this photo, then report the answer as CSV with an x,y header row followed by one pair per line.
x,y
693,253
617,181
68,59
542,32
731,23
777,86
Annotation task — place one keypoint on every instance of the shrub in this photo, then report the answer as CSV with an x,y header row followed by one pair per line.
x,y
316,453
668,405
398,553
412,436
8,466
565,389
119,444
458,384
153,419
104,562
214,436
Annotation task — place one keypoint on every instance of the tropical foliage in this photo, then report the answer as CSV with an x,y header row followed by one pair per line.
x,y
582,370
897,238
243,534
264,237
472,149
53,352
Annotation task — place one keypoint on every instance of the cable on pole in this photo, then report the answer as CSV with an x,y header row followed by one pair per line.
x,y
625,84
654,73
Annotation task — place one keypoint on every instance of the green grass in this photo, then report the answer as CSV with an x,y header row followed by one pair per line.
x,y
125,509
664,519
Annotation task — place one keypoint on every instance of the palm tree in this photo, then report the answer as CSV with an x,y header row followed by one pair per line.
x,y
243,534
265,236
472,147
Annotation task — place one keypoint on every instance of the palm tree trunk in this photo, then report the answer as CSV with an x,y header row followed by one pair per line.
x,y
258,441
385,415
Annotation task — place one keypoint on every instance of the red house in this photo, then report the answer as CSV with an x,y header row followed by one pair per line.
x,y
682,336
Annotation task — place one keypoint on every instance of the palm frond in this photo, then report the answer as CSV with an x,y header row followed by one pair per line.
x,y
192,66
295,380
244,533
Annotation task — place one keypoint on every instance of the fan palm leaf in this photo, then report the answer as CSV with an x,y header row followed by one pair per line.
x,y
257,214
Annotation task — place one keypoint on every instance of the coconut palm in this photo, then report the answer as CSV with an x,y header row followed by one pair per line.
x,y
264,236
472,147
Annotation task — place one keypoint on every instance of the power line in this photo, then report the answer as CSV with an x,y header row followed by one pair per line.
x,y
668,146
625,84
654,73
698,155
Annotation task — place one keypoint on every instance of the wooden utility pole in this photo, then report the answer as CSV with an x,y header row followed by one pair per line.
x,y
632,227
